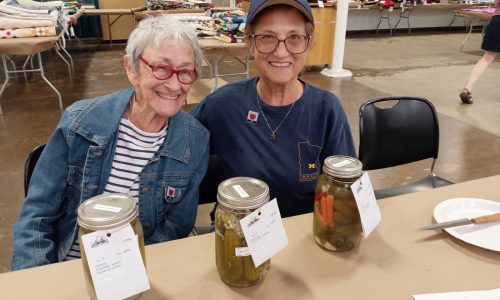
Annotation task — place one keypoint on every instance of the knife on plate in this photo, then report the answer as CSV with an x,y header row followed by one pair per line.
x,y
464,221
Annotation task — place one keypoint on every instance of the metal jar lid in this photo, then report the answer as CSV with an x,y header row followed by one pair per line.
x,y
107,211
342,166
242,193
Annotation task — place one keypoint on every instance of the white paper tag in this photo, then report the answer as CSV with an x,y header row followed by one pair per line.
x,y
367,204
391,8
264,232
115,263
320,3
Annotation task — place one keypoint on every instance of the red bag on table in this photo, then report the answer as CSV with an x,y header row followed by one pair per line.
x,y
386,3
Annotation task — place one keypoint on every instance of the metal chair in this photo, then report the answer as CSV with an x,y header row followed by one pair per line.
x,y
406,132
405,13
457,15
29,165
384,14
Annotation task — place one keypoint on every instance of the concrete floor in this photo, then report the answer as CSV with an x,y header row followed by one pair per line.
x,y
429,65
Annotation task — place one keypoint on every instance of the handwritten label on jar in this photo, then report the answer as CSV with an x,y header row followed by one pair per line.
x,y
241,251
367,204
264,232
115,263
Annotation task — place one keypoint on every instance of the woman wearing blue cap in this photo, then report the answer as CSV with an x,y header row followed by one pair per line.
x,y
275,126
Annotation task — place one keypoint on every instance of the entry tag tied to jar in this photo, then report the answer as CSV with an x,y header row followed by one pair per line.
x,y
115,263
367,204
264,232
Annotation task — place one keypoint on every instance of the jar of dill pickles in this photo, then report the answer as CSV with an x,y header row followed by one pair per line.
x,y
107,212
237,197
337,224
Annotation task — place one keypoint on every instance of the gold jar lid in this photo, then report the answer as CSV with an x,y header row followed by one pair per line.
x,y
107,211
242,193
342,166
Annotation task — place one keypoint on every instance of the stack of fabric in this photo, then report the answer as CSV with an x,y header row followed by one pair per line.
x,y
171,4
203,25
28,18
227,26
230,26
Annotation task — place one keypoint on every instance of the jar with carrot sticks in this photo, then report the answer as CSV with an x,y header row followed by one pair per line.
x,y
336,221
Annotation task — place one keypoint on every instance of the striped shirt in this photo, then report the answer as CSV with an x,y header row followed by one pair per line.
x,y
134,149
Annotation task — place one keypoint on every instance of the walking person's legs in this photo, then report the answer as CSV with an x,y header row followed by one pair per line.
x,y
477,70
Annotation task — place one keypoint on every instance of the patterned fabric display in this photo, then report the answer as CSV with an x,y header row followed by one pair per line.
x,y
162,4
230,26
42,31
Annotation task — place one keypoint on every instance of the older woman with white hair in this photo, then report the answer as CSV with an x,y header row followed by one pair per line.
x,y
135,141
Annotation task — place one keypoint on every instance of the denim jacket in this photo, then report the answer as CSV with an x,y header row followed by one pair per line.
x,y
75,166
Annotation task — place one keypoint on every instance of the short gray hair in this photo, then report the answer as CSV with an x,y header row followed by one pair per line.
x,y
154,30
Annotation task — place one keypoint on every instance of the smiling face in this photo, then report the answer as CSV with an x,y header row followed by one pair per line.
x,y
161,99
279,67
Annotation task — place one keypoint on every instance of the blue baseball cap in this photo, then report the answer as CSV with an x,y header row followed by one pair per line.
x,y
257,6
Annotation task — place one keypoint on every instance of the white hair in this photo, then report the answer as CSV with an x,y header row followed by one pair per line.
x,y
152,31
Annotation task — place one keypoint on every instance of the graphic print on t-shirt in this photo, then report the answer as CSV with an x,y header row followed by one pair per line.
x,y
308,161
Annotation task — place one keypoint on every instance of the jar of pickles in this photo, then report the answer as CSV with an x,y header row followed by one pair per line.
x,y
107,212
337,225
237,197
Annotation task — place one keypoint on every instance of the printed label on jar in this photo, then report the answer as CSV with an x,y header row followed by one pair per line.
x,y
107,208
240,191
341,163
241,251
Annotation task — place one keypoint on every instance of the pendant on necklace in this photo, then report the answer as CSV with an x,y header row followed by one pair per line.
x,y
273,137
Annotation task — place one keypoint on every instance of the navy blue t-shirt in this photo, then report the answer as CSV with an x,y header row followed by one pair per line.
x,y
315,128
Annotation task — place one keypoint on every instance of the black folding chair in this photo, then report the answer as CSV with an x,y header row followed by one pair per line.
x,y
403,133
208,189
29,165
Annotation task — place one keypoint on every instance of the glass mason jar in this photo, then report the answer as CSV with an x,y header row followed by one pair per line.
x,y
237,197
107,212
337,225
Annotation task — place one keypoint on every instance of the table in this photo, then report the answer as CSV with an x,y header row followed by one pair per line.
x,y
385,14
396,261
219,50
139,15
477,15
119,12
32,47
406,12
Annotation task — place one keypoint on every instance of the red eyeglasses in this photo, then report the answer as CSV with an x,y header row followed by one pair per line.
x,y
164,72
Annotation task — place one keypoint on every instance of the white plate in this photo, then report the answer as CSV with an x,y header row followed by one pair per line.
x,y
482,235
